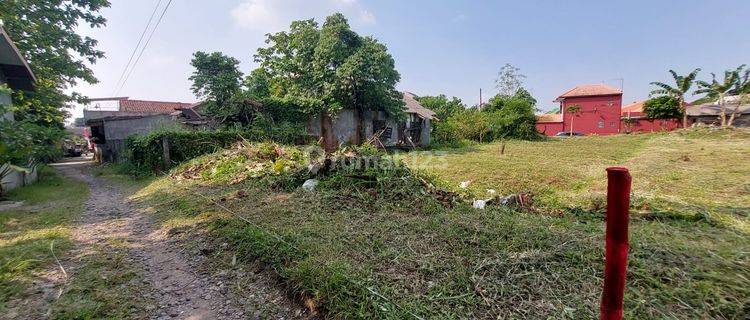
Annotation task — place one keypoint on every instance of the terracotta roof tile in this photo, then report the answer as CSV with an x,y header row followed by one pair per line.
x,y
553,117
155,107
635,107
590,90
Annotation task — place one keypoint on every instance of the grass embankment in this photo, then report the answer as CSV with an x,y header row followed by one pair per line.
x,y
386,249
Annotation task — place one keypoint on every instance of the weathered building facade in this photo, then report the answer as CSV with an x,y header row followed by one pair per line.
x,y
347,126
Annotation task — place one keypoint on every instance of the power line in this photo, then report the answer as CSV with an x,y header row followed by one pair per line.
x,y
135,49
148,40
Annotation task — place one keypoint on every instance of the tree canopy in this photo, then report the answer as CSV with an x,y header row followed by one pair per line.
x,y
442,106
217,80
45,33
664,107
331,64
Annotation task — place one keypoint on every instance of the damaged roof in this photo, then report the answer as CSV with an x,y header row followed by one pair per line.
x,y
13,65
413,106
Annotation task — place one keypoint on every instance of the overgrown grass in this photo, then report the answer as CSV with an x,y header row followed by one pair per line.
x,y
107,286
388,250
693,174
26,232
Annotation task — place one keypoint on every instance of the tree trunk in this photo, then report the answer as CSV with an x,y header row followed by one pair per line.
x,y
734,112
723,114
684,114
326,130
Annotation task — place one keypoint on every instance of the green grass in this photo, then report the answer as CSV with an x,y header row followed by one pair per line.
x,y
50,206
391,251
691,174
107,286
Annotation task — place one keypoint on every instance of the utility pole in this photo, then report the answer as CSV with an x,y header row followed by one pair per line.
x,y
480,98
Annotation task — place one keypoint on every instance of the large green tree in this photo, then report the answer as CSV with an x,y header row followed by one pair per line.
x,y
333,65
678,91
217,80
45,33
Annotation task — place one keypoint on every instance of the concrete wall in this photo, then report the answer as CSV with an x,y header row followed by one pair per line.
x,y
17,179
5,100
598,115
116,131
121,129
345,128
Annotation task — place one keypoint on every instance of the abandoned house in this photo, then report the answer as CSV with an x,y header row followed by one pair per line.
x,y
112,120
15,74
378,127
710,113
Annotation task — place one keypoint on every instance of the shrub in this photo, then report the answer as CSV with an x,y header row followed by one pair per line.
x,y
146,152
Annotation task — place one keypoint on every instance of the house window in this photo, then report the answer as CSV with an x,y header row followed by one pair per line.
x,y
600,124
612,124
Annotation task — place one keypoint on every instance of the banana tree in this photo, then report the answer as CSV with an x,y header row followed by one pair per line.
x,y
720,89
678,91
742,89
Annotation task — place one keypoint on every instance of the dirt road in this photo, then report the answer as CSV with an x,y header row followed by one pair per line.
x,y
178,280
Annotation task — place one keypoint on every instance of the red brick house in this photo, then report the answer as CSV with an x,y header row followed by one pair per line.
x,y
634,120
599,111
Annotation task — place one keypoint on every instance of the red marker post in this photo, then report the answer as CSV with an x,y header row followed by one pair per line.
x,y
616,256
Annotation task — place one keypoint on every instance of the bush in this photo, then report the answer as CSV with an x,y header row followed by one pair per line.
x,y
146,153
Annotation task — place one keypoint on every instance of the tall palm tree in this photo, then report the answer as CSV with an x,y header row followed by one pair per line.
x,y
719,90
682,86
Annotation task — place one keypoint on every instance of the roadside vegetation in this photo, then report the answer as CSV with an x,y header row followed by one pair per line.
x,y
27,232
381,243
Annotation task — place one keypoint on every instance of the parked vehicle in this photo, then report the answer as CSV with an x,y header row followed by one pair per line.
x,y
563,134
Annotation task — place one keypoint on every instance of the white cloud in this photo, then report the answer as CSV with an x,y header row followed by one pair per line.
x,y
259,15
274,15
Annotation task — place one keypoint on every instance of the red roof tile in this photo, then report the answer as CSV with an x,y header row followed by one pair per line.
x,y
554,117
590,90
635,107
157,107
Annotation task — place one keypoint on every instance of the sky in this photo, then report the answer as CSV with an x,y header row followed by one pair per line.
x,y
440,47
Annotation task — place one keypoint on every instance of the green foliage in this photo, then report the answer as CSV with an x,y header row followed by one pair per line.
x,y
23,143
146,152
443,107
664,107
216,79
45,32
331,64
502,117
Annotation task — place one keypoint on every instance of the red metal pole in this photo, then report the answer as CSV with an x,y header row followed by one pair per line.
x,y
616,255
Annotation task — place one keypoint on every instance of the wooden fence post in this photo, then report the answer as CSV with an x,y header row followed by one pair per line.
x,y
165,152
616,247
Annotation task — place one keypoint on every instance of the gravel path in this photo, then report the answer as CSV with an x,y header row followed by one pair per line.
x,y
181,280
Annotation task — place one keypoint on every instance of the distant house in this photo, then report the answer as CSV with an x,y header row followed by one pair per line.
x,y
599,110
634,120
708,113
377,126
16,74
112,120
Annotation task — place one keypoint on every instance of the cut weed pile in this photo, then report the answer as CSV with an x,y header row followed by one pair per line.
x,y
370,242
